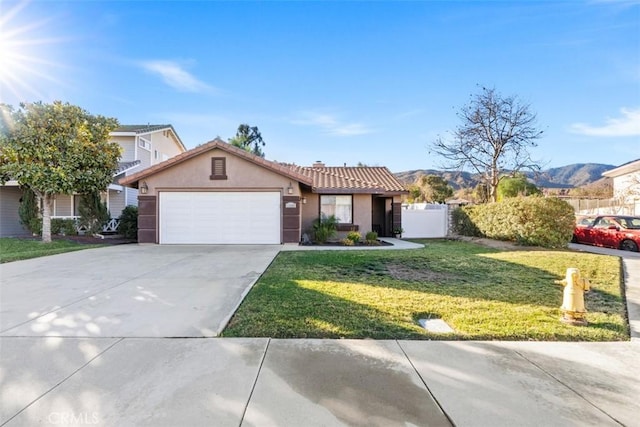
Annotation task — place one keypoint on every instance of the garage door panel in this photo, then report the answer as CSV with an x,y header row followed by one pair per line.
x,y
220,217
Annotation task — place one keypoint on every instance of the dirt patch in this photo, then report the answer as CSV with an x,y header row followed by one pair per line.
x,y
403,272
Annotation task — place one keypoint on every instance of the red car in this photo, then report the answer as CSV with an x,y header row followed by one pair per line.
x,y
611,231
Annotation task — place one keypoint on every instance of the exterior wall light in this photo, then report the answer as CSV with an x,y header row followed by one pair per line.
x,y
144,188
304,200
290,188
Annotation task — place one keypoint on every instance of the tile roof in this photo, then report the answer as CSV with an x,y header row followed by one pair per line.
x,y
142,128
216,143
352,179
368,180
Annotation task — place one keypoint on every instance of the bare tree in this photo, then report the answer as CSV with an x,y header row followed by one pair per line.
x,y
494,137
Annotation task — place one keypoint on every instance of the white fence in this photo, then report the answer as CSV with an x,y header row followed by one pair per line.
x,y
604,207
423,220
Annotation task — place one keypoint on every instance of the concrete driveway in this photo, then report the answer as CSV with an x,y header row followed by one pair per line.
x,y
129,291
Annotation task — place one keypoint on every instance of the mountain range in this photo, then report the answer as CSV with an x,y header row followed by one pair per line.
x,y
575,175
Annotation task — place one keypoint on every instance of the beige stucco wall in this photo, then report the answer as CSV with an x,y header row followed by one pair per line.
x,y
310,212
361,212
241,175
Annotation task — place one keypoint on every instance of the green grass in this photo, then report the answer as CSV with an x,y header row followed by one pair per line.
x,y
482,293
12,249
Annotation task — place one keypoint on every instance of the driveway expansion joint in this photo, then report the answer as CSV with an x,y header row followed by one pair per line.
x,y
253,386
61,381
424,382
573,390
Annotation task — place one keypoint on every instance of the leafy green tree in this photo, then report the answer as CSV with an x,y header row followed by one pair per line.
x,y
249,138
513,186
495,135
432,189
54,149
415,194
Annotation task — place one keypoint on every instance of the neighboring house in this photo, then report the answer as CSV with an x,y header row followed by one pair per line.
x,y
220,194
626,188
626,181
142,145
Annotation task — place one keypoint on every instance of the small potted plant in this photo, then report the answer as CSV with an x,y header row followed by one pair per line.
x,y
397,232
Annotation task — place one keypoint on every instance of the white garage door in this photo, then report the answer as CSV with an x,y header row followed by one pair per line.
x,y
219,217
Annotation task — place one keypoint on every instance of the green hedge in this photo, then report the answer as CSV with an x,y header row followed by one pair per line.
x,y
528,221
65,227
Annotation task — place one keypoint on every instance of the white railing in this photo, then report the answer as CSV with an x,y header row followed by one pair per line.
x,y
110,227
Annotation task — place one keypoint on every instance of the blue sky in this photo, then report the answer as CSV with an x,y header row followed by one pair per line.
x,y
341,82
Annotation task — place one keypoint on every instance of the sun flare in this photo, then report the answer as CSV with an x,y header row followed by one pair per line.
x,y
23,59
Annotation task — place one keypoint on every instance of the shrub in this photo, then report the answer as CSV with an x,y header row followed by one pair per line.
x,y
65,227
29,211
324,228
372,242
529,221
372,235
461,222
93,212
354,237
129,222
347,242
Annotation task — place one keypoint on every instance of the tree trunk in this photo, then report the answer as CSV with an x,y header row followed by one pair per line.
x,y
495,179
47,201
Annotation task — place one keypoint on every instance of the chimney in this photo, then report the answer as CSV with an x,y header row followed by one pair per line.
x,y
318,164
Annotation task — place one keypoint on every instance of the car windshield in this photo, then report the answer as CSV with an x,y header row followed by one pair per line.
x,y
586,221
630,223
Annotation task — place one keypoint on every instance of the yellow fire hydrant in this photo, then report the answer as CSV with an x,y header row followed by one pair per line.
x,y
573,299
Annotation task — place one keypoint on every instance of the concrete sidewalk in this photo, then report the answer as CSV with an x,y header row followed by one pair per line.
x,y
270,382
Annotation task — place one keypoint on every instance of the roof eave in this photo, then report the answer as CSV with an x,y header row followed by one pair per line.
x,y
216,143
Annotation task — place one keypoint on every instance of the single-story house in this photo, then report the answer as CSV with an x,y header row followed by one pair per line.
x,y
220,194
142,146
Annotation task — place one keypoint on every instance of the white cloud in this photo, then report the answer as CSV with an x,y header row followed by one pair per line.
x,y
331,125
627,125
175,76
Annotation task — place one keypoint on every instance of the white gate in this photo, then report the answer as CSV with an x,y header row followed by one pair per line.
x,y
424,220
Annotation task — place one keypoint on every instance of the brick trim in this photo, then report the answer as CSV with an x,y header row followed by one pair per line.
x,y
147,219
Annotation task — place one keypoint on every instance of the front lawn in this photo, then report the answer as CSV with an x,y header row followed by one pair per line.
x,y
482,293
12,249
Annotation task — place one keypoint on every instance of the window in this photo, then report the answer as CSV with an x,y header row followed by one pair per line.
x,y
155,154
143,143
218,168
340,206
